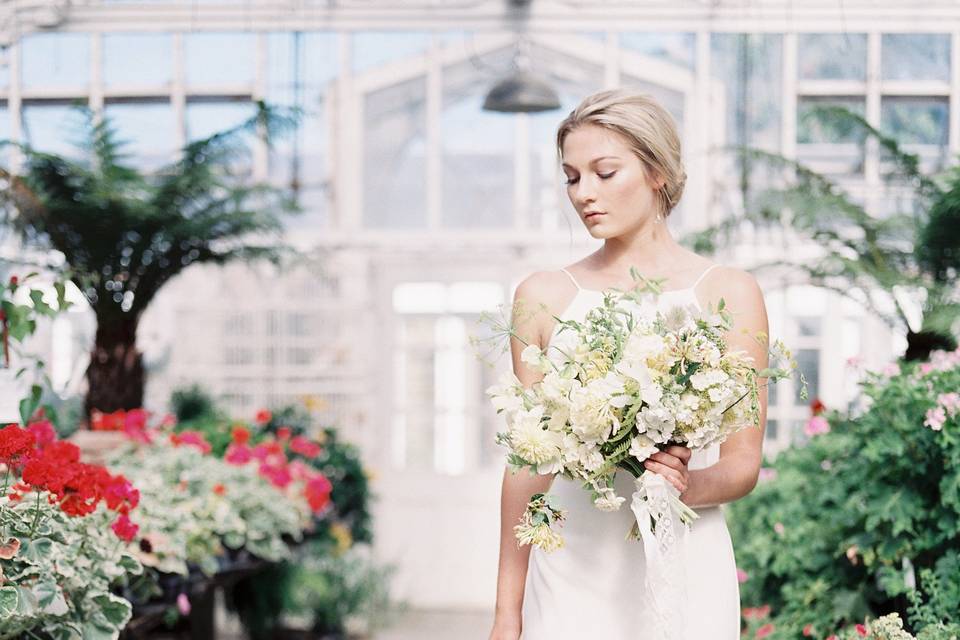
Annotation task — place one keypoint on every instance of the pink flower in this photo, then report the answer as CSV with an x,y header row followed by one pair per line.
x,y
742,575
263,416
808,630
317,492
765,630
854,362
891,369
43,432
238,454
862,630
779,528
304,447
950,402
935,418
766,474
926,368
817,425
183,604
191,438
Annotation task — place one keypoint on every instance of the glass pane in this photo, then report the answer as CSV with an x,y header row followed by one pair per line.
x,y
149,129
207,118
394,149
808,363
771,431
676,48
476,150
573,80
772,390
815,127
916,120
300,68
4,135
371,49
217,59
54,128
808,325
55,59
832,56
915,56
748,67
137,59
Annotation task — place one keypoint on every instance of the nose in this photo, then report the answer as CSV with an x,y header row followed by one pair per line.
x,y
584,192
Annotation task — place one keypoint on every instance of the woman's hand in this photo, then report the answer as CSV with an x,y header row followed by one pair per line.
x,y
505,629
671,463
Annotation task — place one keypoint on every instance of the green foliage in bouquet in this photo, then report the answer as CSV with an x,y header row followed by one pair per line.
x,y
56,577
853,519
890,263
124,234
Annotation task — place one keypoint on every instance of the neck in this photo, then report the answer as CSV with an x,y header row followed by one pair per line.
x,y
651,248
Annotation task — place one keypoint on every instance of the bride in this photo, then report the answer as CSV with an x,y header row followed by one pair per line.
x,y
621,155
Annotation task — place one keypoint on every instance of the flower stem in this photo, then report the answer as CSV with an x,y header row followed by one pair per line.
x,y
36,517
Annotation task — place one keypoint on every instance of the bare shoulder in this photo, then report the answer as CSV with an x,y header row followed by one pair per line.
x,y
739,290
539,297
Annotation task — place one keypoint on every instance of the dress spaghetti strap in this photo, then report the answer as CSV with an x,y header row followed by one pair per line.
x,y
703,275
572,279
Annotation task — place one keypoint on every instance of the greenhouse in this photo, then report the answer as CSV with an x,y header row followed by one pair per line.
x,y
254,248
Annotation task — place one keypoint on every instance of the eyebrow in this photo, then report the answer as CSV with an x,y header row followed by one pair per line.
x,y
595,160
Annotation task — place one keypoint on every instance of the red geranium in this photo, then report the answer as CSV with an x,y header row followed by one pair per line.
x,y
124,528
15,443
317,491
284,433
240,434
263,416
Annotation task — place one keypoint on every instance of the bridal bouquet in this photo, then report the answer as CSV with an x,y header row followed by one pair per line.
x,y
625,382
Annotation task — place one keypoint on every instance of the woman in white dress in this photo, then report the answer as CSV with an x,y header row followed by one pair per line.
x,y
621,155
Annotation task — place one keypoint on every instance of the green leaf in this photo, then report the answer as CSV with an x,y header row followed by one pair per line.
x,y
38,551
8,601
29,404
114,609
131,565
39,305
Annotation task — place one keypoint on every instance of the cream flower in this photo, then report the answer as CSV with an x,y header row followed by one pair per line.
x,y
642,447
606,499
531,441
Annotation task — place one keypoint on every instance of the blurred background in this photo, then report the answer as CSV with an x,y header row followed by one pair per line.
x,y
420,209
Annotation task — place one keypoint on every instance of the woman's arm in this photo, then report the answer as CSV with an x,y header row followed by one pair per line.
x,y
529,321
735,474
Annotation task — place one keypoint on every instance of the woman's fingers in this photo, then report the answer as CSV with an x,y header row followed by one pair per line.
x,y
683,453
676,478
669,460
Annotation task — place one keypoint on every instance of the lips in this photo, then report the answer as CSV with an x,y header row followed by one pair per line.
x,y
592,214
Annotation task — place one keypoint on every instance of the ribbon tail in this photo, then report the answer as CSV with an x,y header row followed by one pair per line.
x,y
663,535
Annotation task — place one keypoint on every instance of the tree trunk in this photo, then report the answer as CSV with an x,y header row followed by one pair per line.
x,y
922,343
115,375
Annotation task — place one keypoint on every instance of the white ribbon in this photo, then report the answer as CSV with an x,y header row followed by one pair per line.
x,y
664,538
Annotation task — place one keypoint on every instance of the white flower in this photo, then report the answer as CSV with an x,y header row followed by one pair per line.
x,y
533,356
707,378
591,413
719,394
506,395
657,423
641,346
607,500
642,447
531,441
555,389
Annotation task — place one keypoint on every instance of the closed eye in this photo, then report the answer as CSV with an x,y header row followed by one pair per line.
x,y
603,176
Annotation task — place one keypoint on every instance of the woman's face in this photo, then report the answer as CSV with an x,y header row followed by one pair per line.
x,y
607,183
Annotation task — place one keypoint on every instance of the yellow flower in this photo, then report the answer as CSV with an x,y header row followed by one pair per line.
x,y
341,534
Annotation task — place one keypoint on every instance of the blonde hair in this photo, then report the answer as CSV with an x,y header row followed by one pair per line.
x,y
648,127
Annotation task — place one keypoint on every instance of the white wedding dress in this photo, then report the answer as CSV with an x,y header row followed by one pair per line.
x,y
594,587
